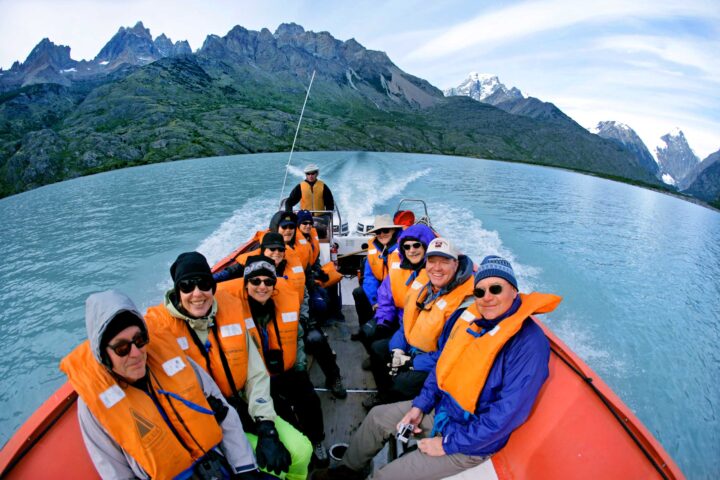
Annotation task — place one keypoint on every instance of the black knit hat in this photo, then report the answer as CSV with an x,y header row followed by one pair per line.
x,y
272,239
120,322
259,265
191,265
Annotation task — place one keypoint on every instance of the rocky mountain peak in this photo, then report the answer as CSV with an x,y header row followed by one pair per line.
x,y
483,86
624,135
289,30
47,53
129,45
676,158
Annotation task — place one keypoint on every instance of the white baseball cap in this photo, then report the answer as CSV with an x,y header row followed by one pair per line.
x,y
441,247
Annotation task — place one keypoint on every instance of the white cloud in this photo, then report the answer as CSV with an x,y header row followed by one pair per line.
x,y
489,30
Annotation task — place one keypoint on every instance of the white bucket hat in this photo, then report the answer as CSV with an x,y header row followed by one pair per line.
x,y
384,221
311,167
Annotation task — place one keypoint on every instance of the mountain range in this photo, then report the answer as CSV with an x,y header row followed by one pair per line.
x,y
142,101
676,163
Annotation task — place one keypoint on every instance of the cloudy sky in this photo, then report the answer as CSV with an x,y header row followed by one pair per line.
x,y
652,64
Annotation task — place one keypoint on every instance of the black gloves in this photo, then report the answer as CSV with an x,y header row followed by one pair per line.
x,y
270,452
218,407
369,328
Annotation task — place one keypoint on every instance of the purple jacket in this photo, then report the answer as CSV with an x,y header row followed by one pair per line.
x,y
387,314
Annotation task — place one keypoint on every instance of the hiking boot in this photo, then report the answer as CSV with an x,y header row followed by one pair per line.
x,y
341,472
366,365
320,457
374,400
336,387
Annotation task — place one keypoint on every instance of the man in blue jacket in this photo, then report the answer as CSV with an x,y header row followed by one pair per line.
x,y
473,400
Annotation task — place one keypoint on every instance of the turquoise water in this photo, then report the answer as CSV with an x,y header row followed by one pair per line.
x,y
638,270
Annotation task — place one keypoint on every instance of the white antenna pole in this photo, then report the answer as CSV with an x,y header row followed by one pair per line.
x,y
282,192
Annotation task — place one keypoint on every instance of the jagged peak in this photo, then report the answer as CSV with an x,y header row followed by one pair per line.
x,y
289,29
139,30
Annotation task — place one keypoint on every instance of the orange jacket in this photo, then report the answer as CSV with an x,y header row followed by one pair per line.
x,y
133,420
423,327
227,338
312,196
464,349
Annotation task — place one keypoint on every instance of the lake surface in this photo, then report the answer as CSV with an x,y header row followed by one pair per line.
x,y
639,271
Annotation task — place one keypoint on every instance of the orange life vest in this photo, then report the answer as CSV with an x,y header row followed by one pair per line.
x,y
307,249
287,316
466,360
133,420
294,270
399,279
312,196
242,258
378,265
227,337
332,272
423,327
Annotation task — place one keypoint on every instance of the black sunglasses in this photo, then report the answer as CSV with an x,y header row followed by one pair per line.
x,y
268,282
307,222
312,173
383,231
123,347
407,246
290,226
275,249
188,285
493,289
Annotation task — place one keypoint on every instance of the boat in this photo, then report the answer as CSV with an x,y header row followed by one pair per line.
x,y
578,427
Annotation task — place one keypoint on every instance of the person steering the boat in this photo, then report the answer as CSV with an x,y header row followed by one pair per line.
x,y
209,326
431,298
493,360
275,310
145,409
312,193
380,246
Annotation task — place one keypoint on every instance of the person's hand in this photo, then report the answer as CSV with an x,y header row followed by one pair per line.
x,y
270,452
431,446
374,307
414,416
400,362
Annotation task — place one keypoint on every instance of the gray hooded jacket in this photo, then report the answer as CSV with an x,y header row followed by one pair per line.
x,y
110,460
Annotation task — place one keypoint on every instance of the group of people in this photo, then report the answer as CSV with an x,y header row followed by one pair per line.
x,y
213,382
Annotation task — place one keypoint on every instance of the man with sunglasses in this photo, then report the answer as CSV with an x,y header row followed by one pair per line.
x,y
209,326
493,360
446,282
145,409
312,193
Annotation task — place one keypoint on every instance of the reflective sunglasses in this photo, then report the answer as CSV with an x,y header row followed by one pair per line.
x,y
493,289
188,285
407,246
383,231
312,173
275,249
307,222
123,347
288,227
268,282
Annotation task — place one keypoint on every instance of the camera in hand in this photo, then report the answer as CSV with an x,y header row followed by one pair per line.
x,y
405,431
274,361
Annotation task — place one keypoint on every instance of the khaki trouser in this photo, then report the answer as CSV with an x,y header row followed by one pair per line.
x,y
381,425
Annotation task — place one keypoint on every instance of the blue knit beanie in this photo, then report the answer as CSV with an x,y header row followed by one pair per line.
x,y
494,266
304,216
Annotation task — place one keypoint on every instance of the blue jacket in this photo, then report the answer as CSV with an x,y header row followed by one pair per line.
x,y
387,314
425,362
370,282
512,385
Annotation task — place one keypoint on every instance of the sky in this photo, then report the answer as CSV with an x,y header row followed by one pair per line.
x,y
651,64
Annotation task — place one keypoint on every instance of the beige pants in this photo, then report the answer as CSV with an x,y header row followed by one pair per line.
x,y
379,426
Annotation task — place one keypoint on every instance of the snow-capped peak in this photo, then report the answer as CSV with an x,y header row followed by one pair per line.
x,y
481,86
